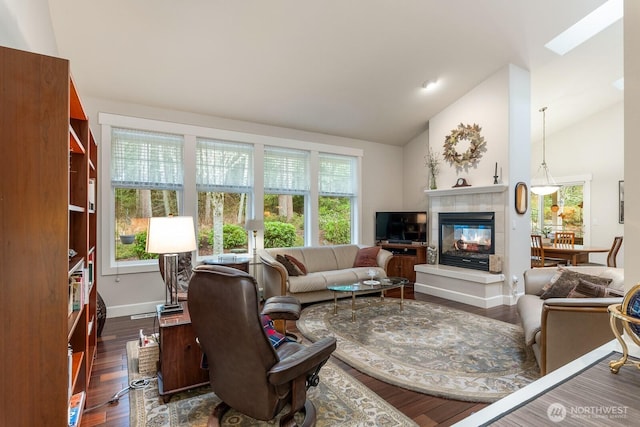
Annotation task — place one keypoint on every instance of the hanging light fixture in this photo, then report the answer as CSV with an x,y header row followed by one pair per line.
x,y
544,182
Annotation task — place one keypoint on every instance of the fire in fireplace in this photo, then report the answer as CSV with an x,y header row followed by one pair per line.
x,y
466,239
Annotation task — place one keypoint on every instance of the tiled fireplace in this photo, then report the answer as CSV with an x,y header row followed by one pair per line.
x,y
466,239
468,242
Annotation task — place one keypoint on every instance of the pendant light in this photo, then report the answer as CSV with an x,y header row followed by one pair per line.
x,y
544,182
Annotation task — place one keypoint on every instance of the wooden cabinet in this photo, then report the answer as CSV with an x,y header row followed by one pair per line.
x,y
45,151
180,355
404,258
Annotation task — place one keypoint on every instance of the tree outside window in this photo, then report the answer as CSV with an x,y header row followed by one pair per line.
x,y
221,218
224,179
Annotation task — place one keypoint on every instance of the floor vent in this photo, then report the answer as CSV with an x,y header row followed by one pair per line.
x,y
142,316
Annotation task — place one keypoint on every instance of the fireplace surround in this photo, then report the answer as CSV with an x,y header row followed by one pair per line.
x,y
474,287
466,239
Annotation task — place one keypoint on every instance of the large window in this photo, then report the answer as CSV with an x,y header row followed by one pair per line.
x,y
337,191
560,211
224,182
286,190
221,178
146,179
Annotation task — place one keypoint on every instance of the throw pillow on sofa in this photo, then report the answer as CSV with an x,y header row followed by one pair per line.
x,y
291,267
297,263
367,257
586,289
564,281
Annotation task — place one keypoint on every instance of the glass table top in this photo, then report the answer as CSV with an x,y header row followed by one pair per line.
x,y
369,285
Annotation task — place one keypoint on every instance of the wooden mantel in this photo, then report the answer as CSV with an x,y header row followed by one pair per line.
x,y
456,191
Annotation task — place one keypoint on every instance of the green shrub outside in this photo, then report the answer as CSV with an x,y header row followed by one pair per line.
x,y
140,246
233,236
279,235
336,230
335,220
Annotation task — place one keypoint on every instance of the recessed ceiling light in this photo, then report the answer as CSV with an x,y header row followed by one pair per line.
x,y
608,13
429,84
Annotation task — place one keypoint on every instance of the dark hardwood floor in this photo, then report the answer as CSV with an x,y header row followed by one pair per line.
x,y
109,374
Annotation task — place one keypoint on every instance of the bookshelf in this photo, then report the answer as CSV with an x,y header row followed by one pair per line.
x,y
48,167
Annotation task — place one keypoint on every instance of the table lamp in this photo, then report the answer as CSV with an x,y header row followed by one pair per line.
x,y
170,236
254,225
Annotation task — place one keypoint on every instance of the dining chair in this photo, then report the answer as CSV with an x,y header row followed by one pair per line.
x,y
613,252
564,238
537,253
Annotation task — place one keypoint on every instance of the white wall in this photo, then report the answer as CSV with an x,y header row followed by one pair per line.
x,y
415,173
26,25
487,106
631,147
381,164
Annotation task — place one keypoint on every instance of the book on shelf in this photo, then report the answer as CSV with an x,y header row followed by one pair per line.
x,y
75,408
70,370
77,290
92,194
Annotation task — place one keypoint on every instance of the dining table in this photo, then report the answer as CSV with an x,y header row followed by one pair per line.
x,y
573,254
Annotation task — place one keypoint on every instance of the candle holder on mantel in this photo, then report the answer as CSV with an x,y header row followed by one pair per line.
x,y
495,174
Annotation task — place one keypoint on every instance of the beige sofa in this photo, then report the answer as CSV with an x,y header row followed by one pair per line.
x,y
324,264
560,330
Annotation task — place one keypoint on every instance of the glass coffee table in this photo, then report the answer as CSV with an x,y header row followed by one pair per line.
x,y
366,287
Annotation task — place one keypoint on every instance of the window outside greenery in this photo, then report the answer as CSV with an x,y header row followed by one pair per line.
x,y
560,211
283,220
222,215
148,179
133,208
335,220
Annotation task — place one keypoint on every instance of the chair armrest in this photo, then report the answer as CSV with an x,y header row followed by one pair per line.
x,y
383,258
571,327
285,307
302,362
575,303
274,276
536,278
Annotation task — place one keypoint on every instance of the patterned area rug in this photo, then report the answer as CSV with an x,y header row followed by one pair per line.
x,y
427,347
339,400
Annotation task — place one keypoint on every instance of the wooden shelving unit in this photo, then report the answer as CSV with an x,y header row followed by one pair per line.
x,y
47,158
405,257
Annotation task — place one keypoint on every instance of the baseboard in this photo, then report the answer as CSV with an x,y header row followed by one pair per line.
x,y
458,296
131,309
511,299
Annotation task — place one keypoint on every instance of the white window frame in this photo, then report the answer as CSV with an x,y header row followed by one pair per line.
x,y
189,197
585,181
226,187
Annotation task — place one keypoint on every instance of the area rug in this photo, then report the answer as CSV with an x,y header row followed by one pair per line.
x,y
427,347
340,400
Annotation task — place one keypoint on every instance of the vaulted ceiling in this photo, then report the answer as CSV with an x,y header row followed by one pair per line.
x,y
350,68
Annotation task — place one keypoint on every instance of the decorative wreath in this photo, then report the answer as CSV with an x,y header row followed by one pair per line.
x,y
473,153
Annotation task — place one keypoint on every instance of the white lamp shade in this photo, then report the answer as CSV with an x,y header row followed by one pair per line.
x,y
170,235
253,225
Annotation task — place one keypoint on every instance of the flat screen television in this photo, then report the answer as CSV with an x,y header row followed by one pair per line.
x,y
401,227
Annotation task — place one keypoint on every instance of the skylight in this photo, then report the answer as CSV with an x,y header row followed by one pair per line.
x,y
587,27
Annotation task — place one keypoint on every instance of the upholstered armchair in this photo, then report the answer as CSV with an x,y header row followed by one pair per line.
x,y
246,371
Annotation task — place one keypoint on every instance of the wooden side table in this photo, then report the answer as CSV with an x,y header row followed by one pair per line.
x,y
180,355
